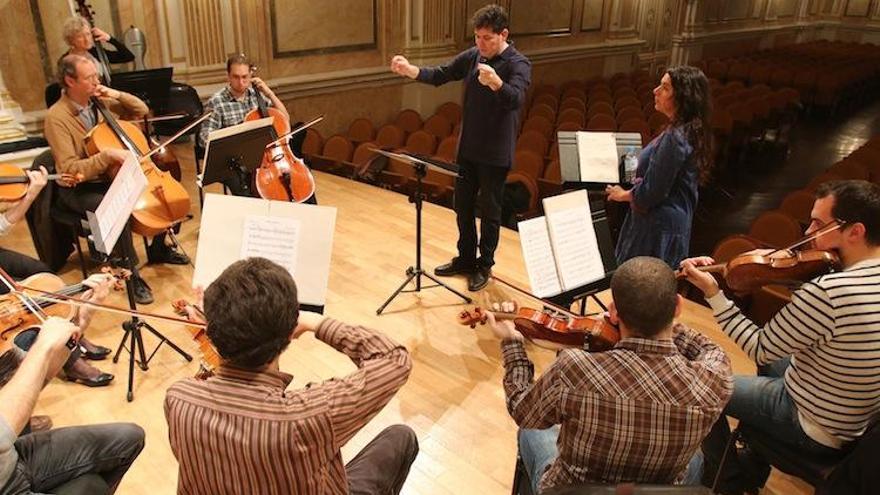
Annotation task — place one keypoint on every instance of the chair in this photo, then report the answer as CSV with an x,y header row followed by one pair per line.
x,y
546,99
447,148
361,130
438,126
602,108
602,122
421,142
627,113
532,141
571,115
574,103
639,125
539,125
776,228
313,143
542,110
528,162
450,110
627,101
337,149
390,136
359,161
409,120
569,126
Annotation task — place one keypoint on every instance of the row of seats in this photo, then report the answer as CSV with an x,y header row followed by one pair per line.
x,y
825,73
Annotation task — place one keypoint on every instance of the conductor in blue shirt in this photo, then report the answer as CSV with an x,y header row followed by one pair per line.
x,y
495,78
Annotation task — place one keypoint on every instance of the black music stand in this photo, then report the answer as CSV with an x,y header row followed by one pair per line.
x,y
134,325
416,272
233,157
153,86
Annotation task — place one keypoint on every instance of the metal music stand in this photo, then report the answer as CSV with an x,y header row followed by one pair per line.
x,y
125,190
233,153
416,272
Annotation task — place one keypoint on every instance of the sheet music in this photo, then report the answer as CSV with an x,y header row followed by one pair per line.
x,y
597,154
538,255
273,238
573,239
113,212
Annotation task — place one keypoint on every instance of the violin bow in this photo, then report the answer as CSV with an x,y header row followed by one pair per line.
x,y
545,302
28,302
181,132
62,299
827,229
299,129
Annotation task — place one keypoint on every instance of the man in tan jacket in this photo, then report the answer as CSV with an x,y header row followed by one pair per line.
x,y
66,125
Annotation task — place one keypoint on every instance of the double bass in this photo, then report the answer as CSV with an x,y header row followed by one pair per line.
x,y
165,202
281,176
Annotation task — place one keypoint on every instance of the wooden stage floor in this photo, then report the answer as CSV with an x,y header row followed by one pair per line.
x,y
454,399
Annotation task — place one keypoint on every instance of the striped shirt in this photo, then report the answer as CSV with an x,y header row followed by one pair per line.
x,y
831,328
228,111
635,413
242,432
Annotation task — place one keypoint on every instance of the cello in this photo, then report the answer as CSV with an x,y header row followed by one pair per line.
x,y
165,202
281,175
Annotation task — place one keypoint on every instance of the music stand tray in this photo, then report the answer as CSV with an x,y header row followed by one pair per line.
x,y
236,150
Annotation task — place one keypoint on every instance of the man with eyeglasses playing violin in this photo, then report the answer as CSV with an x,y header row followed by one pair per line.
x,y
818,383
66,125
93,458
634,413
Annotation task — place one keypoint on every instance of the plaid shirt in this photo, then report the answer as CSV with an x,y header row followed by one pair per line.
x,y
228,111
635,413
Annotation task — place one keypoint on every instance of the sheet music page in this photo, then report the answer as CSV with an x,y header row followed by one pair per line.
x,y
573,239
119,201
273,238
597,154
538,256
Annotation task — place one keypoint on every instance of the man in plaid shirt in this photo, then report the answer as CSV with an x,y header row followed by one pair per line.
x,y
232,103
635,413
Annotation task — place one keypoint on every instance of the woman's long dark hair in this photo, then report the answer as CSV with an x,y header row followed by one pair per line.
x,y
693,105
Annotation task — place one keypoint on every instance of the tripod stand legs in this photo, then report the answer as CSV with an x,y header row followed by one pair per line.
x,y
417,273
136,345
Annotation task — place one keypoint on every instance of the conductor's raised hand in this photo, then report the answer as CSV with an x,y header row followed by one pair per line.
x,y
401,66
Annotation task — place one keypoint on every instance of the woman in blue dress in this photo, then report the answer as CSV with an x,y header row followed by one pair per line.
x,y
664,194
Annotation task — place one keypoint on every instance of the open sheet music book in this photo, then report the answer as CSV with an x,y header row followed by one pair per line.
x,y
296,236
560,249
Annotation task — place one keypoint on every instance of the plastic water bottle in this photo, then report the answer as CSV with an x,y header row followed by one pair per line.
x,y
630,164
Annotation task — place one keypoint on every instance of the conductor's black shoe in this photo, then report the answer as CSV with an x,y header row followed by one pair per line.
x,y
142,292
454,267
165,254
478,279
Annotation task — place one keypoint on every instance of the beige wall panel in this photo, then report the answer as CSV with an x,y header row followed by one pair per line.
x,y
305,26
592,15
782,8
857,8
540,16
735,10
558,73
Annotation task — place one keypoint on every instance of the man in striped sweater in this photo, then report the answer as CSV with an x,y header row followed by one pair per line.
x,y
243,431
819,358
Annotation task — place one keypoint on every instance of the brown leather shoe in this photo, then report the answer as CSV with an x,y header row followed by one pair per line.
x,y
40,423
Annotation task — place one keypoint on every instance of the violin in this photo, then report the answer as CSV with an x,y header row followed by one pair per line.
x,y
281,176
546,329
164,202
19,313
210,357
14,181
752,270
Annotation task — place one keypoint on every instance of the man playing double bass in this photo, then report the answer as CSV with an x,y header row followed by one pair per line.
x,y
66,125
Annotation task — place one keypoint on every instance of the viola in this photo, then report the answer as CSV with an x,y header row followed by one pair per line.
x,y
14,181
210,357
164,202
18,314
752,270
281,176
594,334
749,272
